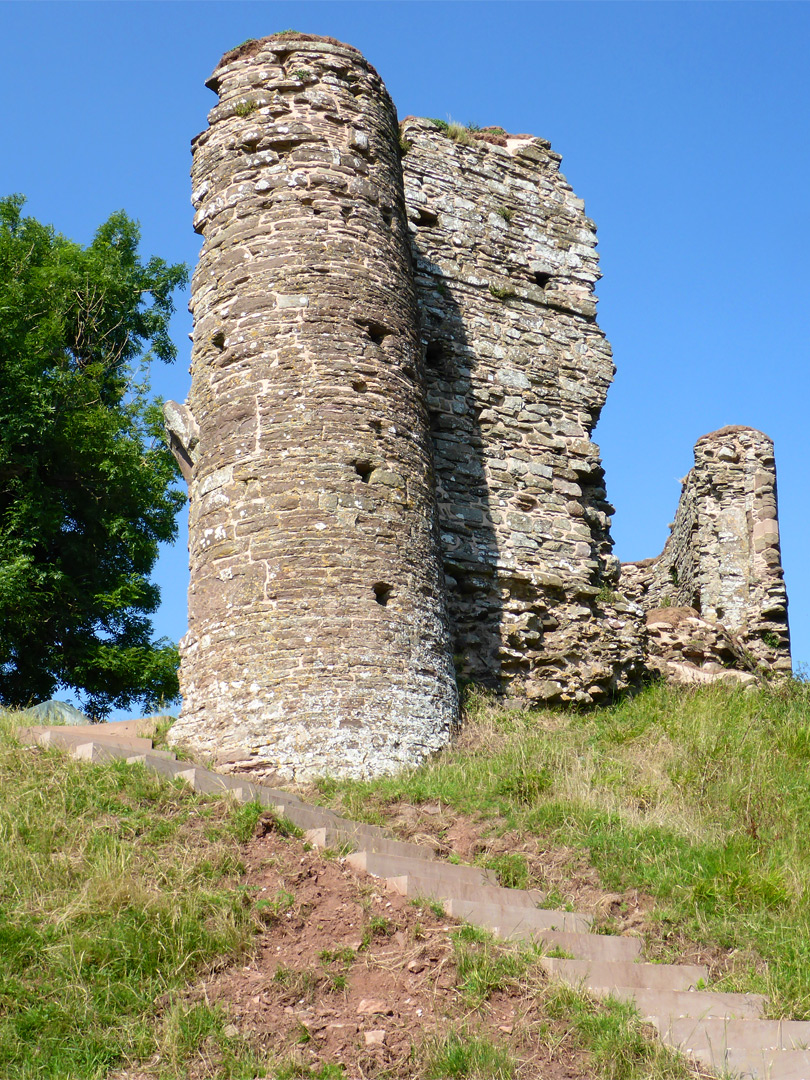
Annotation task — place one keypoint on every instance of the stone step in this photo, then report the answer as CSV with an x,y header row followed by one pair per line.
x,y
584,946
374,838
709,1040
246,792
60,734
336,838
163,766
661,1006
203,781
211,783
768,1064
101,750
142,728
93,751
274,794
168,755
447,889
385,866
267,796
305,817
70,737
507,920
113,749
594,973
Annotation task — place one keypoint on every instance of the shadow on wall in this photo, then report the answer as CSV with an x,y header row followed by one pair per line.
x,y
468,539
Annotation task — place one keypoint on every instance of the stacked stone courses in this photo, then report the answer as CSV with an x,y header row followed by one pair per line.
x,y
517,372
317,625
723,556
396,372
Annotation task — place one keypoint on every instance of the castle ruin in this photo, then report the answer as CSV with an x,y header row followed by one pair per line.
x,y
396,371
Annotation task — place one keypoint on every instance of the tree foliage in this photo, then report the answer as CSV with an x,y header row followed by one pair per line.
x,y
87,485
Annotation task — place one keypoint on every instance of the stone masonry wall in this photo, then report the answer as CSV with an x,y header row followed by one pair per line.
x,y
318,637
722,557
396,371
517,373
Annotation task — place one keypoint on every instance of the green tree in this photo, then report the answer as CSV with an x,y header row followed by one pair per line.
x,y
87,485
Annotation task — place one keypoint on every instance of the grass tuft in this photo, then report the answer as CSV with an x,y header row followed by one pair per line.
x,y
483,966
116,889
460,133
245,108
462,1055
511,869
621,1046
295,1070
502,293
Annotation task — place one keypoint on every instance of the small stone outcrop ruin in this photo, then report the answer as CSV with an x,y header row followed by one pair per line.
x,y
396,371
722,565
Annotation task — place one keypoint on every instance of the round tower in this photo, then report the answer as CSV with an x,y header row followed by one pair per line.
x,y
318,639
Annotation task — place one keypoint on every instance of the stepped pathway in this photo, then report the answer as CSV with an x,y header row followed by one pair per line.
x,y
723,1031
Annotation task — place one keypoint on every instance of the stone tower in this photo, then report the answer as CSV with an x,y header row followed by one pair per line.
x,y
318,636
396,373
722,558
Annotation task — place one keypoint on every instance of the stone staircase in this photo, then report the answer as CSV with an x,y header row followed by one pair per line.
x,y
721,1031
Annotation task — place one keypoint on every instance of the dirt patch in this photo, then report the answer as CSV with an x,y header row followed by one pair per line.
x,y
346,974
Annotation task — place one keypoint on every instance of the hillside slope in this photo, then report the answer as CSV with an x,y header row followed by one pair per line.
x,y
690,806
149,932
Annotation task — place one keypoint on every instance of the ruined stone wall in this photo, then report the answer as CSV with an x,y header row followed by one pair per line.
x,y
722,557
517,373
396,372
318,637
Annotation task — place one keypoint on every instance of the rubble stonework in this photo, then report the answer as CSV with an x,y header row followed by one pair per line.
x,y
396,371
516,375
685,649
722,557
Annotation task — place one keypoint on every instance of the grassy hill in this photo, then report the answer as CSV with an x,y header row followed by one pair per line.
x,y
115,890
699,799
121,894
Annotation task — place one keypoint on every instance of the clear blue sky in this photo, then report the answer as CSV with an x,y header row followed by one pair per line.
x,y
684,126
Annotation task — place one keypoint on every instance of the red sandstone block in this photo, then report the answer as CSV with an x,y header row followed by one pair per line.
x,y
769,1064
267,796
202,780
167,767
67,737
306,817
709,1039
116,749
447,889
336,837
583,945
90,751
